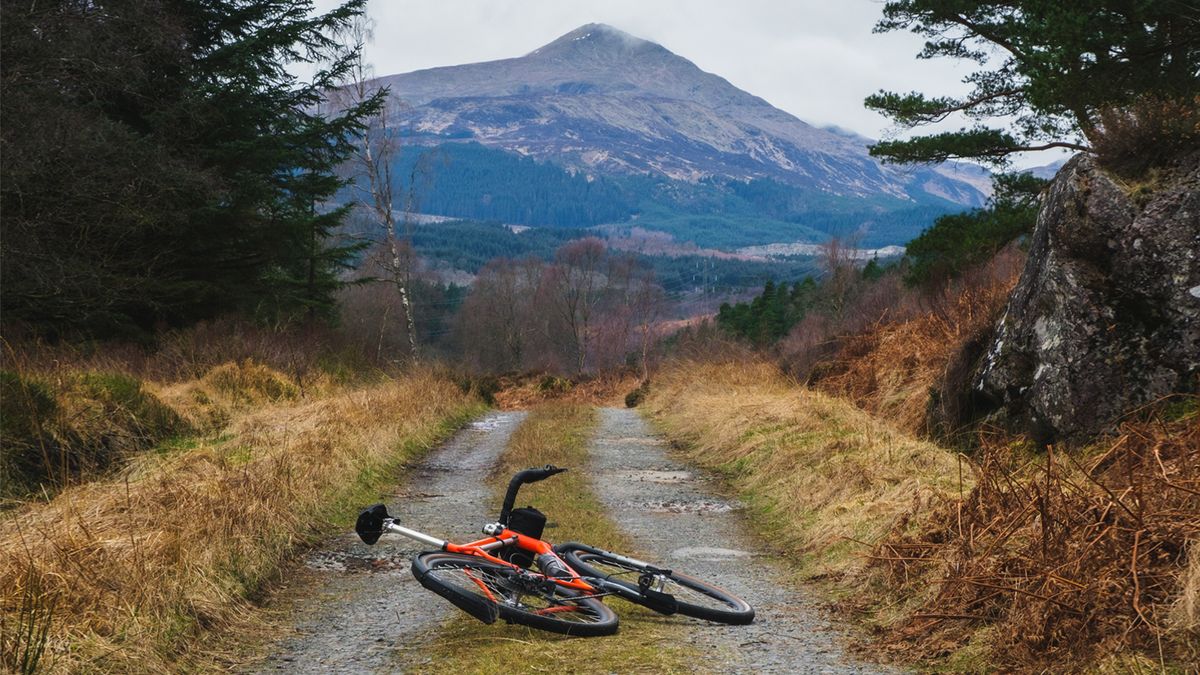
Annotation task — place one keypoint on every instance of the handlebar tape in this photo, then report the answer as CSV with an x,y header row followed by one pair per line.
x,y
531,475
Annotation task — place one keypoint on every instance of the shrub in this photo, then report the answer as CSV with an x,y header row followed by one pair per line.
x,y
250,382
485,386
552,384
635,397
1151,133
28,411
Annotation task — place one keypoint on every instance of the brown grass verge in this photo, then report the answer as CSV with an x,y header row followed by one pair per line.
x,y
1072,561
891,368
516,392
825,480
1065,559
557,433
127,573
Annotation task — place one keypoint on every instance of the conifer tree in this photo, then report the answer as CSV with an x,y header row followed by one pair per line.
x,y
162,163
1053,66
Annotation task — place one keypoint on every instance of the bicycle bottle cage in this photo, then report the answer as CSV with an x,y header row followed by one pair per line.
x,y
529,522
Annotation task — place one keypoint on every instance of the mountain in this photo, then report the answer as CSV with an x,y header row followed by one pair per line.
x,y
600,100
603,127
1047,171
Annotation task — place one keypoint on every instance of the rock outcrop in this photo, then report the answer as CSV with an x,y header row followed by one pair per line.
x,y
1106,315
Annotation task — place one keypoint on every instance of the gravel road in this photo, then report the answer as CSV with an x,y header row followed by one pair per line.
x,y
356,608
676,519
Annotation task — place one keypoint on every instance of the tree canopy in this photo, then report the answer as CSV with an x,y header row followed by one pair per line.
x,y
958,241
1048,69
161,163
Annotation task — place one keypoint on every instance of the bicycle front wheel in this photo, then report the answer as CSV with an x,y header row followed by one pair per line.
x,y
695,598
517,596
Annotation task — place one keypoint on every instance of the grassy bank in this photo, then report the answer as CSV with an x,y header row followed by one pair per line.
x,y
1011,559
822,478
557,433
128,571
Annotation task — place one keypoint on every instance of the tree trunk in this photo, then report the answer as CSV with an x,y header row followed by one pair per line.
x,y
400,279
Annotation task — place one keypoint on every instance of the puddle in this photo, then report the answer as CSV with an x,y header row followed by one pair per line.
x,y
415,495
660,476
696,506
487,423
630,440
709,553
439,468
349,561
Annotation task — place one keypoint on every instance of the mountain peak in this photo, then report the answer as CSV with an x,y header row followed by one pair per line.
x,y
600,100
596,38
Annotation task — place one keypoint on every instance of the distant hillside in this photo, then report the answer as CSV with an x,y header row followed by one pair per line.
x,y
469,180
673,139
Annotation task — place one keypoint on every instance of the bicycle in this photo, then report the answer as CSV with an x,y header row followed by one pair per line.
x,y
516,576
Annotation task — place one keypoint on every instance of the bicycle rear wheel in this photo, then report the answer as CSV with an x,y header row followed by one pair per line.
x,y
478,586
695,598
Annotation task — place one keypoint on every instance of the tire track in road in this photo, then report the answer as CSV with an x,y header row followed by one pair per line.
x,y
683,525
356,608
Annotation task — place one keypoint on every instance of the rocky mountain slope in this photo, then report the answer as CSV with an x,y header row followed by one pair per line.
x,y
601,101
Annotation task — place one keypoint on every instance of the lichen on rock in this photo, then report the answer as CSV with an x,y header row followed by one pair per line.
x,y
1105,317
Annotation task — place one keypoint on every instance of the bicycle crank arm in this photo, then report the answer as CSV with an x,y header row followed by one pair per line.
x,y
663,603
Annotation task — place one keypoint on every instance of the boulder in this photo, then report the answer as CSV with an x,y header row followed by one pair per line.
x,y
1106,315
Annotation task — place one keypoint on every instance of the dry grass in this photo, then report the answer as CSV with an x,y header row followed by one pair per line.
x,y
1068,559
1073,561
297,351
524,391
1185,614
55,432
70,412
825,480
557,433
891,368
212,400
126,573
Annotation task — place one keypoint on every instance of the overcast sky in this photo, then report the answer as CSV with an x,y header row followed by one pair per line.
x,y
816,59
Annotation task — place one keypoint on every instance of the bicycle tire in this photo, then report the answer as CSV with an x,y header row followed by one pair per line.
x,y
694,597
478,586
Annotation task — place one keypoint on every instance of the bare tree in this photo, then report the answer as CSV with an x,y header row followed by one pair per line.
x,y
495,322
647,303
374,183
841,274
576,287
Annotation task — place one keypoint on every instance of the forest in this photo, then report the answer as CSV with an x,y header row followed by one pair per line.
x,y
468,180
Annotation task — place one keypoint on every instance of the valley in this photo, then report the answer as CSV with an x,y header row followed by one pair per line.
x,y
880,319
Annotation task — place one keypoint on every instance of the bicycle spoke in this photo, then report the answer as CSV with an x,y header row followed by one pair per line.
x,y
517,594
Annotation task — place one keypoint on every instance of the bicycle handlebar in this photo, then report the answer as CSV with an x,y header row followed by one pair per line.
x,y
532,475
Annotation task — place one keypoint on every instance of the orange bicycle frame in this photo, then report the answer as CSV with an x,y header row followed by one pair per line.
x,y
537,547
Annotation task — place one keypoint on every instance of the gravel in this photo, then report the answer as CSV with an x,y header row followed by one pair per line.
x,y
678,520
357,608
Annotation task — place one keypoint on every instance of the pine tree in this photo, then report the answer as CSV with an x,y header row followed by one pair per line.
x,y
162,163
1053,66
